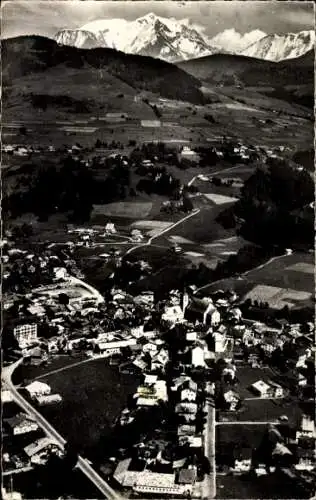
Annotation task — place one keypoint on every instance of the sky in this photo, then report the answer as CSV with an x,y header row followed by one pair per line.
x,y
46,17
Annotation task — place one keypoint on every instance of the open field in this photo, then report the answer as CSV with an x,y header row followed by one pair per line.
x,y
202,228
277,296
270,410
29,372
75,484
280,274
243,487
124,209
93,395
181,122
224,247
242,438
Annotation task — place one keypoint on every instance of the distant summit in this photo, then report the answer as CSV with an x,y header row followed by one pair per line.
x,y
155,36
149,35
179,40
279,47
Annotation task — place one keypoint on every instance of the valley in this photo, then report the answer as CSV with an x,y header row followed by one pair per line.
x,y
158,252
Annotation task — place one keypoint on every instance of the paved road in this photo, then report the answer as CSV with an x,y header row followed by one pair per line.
x,y
51,432
27,468
209,483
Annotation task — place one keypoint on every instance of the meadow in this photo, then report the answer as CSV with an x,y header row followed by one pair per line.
x,y
93,394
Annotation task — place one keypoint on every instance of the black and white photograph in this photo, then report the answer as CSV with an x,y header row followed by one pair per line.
x,y
157,250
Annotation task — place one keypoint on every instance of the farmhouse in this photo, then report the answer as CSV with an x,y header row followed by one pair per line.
x,y
188,154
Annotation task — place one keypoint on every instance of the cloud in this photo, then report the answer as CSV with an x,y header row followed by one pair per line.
x,y
301,18
47,17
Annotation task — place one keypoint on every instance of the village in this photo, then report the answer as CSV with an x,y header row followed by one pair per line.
x,y
202,365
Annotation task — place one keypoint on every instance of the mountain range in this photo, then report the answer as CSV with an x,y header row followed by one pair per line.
x,y
179,40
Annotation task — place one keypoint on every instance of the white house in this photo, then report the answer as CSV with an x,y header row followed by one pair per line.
x,y
110,228
60,272
38,389
188,391
173,314
150,347
232,400
186,407
261,389
191,336
151,394
307,427
6,396
37,446
145,298
198,356
188,154
220,341
150,379
265,390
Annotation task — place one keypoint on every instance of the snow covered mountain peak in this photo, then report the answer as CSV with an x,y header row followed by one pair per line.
x,y
176,40
151,35
277,47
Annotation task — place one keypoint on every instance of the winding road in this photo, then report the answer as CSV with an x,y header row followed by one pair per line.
x,y
164,231
82,464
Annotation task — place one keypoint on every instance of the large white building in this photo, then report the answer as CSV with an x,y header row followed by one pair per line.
x,y
26,335
37,388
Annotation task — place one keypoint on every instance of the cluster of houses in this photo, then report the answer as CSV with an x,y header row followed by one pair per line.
x,y
65,315
40,393
24,444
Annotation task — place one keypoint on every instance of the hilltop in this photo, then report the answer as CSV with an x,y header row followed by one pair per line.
x,y
33,55
247,71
